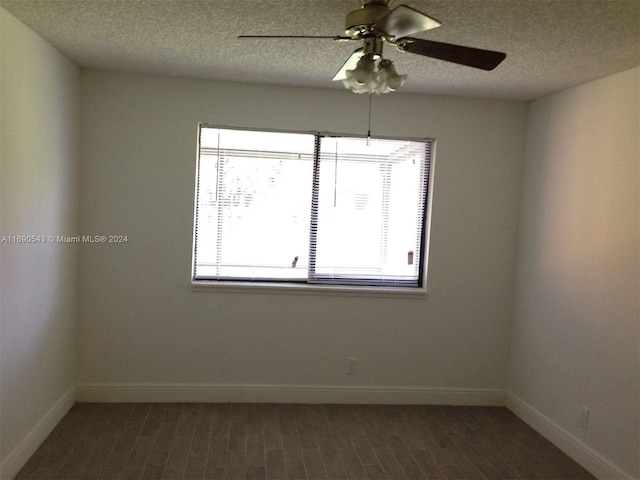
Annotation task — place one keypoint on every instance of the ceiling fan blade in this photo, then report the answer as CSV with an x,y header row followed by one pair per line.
x,y
403,21
471,57
350,64
337,38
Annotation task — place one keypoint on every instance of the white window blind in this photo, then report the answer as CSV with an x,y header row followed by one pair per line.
x,y
370,211
298,207
253,205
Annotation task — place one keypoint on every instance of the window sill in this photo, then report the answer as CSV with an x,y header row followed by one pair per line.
x,y
306,289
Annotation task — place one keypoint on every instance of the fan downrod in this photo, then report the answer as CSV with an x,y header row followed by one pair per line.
x,y
359,23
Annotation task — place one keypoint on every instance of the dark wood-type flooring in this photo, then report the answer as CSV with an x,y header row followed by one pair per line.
x,y
281,441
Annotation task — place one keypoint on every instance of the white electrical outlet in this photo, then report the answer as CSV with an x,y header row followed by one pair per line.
x,y
584,417
352,366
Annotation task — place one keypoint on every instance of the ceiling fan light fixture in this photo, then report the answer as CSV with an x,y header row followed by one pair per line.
x,y
389,76
366,78
366,88
364,72
363,78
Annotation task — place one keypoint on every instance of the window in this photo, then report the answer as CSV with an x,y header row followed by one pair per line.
x,y
310,208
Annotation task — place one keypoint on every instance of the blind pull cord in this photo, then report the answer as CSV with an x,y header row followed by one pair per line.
x,y
369,124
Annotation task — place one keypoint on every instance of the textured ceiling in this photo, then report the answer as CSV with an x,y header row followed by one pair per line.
x,y
550,44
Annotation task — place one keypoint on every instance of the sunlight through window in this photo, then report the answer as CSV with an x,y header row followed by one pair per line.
x,y
300,207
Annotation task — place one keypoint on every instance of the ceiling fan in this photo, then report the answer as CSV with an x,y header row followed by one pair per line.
x,y
376,23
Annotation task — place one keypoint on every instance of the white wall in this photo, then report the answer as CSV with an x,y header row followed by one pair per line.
x,y
38,196
575,329
141,324
144,334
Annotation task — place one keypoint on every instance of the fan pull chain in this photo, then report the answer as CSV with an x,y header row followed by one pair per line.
x,y
369,125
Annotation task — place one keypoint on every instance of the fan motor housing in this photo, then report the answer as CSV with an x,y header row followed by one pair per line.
x,y
359,22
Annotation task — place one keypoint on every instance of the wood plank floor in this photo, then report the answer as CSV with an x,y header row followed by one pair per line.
x,y
277,441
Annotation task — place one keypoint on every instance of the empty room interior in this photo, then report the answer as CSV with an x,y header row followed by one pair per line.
x,y
524,284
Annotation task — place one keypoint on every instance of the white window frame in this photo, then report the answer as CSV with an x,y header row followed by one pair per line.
x,y
308,285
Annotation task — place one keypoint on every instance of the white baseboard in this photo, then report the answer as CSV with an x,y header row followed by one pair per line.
x,y
575,448
147,392
13,462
